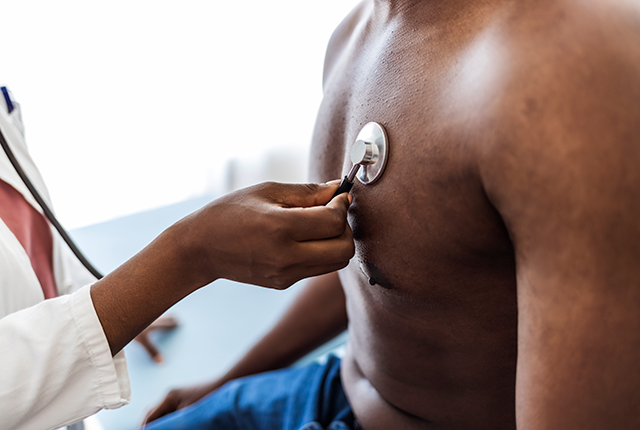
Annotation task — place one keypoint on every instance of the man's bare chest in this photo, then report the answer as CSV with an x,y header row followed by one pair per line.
x,y
427,217
434,270
433,275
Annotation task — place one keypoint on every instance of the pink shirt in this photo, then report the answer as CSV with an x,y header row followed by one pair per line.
x,y
32,230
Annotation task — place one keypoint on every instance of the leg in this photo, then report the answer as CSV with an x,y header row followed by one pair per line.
x,y
288,399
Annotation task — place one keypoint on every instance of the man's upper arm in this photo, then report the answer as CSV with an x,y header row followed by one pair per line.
x,y
564,173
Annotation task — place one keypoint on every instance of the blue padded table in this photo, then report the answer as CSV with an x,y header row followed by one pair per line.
x,y
217,323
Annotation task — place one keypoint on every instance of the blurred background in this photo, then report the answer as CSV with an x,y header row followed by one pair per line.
x,y
138,112
131,105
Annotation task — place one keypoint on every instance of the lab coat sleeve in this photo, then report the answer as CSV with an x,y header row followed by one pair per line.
x,y
55,365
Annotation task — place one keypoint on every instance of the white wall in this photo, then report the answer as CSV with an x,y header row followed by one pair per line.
x,y
135,104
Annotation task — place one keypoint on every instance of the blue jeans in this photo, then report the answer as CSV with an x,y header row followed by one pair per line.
x,y
307,398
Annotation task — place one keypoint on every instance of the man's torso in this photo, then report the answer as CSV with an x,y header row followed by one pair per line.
x,y
431,292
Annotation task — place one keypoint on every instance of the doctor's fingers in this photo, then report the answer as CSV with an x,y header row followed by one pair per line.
x,y
303,260
318,222
326,252
300,195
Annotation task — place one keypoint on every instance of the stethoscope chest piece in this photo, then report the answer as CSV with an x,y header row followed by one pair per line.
x,y
369,155
371,151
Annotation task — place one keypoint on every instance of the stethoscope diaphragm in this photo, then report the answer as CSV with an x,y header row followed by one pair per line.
x,y
369,155
370,151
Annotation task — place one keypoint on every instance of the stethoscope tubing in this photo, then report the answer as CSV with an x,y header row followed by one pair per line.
x,y
45,209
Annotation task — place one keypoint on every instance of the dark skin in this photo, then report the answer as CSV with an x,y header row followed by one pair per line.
x,y
503,240
270,235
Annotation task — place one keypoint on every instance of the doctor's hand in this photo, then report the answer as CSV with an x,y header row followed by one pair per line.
x,y
270,234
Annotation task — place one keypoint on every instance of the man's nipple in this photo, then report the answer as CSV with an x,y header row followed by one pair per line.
x,y
374,275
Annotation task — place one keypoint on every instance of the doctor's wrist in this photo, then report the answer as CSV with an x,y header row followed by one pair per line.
x,y
194,267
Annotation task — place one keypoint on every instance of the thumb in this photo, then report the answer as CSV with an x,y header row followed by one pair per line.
x,y
341,203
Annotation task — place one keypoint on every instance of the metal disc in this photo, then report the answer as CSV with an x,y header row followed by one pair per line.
x,y
374,133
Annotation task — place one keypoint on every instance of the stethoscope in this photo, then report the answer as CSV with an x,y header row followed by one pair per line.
x,y
369,156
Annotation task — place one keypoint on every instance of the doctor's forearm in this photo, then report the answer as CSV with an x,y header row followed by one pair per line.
x,y
134,295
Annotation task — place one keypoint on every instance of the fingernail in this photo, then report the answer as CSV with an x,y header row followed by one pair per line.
x,y
350,197
158,359
334,182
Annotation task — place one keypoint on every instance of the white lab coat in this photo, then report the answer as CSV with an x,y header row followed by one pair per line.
x,y
55,364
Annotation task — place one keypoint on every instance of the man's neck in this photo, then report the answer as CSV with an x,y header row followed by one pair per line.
x,y
429,12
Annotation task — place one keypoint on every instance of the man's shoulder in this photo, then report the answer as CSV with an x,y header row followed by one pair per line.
x,y
342,34
586,29
567,103
572,38
565,64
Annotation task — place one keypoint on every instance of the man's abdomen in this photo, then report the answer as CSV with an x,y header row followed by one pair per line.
x,y
445,361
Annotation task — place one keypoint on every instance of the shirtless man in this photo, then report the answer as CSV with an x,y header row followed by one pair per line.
x,y
496,282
